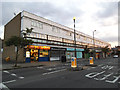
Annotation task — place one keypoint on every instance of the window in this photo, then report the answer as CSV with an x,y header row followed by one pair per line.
x,y
32,35
68,33
32,23
77,36
84,38
36,24
58,30
53,28
41,25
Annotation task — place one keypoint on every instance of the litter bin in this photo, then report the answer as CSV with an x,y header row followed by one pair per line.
x,y
63,58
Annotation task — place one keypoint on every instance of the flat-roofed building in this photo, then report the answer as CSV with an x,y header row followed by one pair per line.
x,y
51,40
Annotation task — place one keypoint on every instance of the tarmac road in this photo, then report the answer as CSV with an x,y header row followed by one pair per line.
x,y
105,75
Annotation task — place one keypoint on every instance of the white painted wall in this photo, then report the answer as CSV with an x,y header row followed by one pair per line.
x,y
47,27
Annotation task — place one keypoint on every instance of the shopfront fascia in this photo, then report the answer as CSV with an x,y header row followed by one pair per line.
x,y
56,53
37,53
70,52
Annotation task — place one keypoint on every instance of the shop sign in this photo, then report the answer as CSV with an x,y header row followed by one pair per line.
x,y
72,49
58,49
98,50
45,47
38,47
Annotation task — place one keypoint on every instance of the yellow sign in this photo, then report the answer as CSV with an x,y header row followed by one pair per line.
x,y
73,62
91,60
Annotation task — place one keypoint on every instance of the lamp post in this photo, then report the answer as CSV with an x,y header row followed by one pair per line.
x,y
74,36
93,44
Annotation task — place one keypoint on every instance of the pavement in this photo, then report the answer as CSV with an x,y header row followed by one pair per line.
x,y
10,65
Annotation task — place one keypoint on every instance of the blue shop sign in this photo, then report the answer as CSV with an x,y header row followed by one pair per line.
x,y
72,49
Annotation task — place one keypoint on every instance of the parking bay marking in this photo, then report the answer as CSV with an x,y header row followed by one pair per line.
x,y
106,76
94,74
116,78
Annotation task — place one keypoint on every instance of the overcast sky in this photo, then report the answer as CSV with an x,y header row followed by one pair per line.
x,y
99,15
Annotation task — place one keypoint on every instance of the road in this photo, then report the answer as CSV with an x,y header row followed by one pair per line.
x,y
105,75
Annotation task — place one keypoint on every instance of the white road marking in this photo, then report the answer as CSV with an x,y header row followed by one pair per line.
x,y
5,71
3,86
103,77
89,68
100,65
39,67
49,69
14,74
21,77
55,68
54,72
93,67
107,67
111,67
94,74
116,78
9,81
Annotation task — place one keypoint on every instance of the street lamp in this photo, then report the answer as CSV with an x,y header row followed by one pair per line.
x,y
74,36
93,44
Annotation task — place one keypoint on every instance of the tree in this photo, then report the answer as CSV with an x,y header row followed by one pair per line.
x,y
19,42
86,50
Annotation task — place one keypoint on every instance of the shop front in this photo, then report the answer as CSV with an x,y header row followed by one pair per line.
x,y
37,53
56,53
98,54
71,53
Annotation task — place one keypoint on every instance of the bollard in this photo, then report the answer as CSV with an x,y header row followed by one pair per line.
x,y
73,62
7,58
91,60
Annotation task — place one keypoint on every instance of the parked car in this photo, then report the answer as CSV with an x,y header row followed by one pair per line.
x,y
115,56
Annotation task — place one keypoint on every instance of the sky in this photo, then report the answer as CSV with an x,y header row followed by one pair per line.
x,y
99,15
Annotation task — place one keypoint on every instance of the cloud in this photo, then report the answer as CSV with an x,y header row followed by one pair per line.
x,y
101,16
107,9
45,9
110,39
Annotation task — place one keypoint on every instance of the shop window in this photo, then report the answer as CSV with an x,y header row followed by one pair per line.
x,y
34,54
43,53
